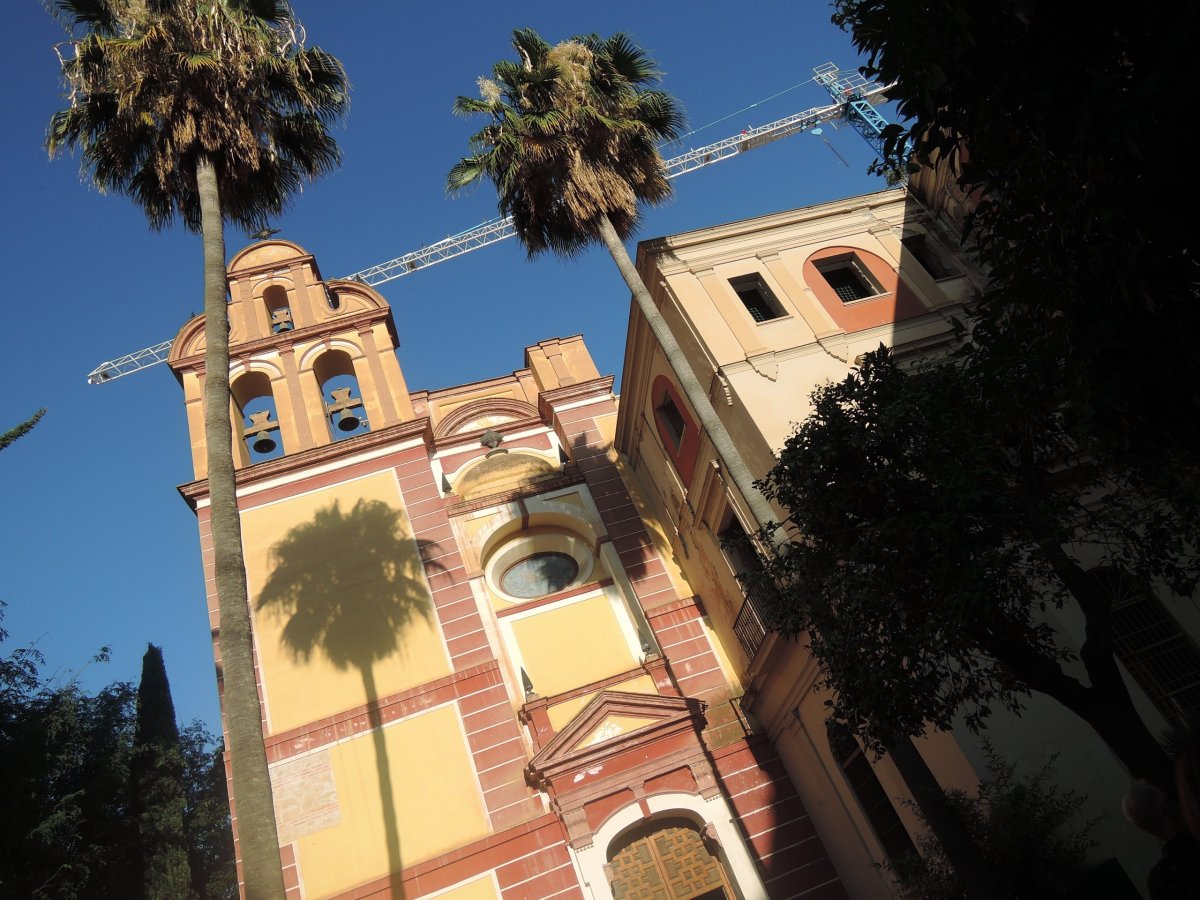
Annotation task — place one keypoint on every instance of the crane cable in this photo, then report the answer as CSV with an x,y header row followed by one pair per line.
x,y
738,112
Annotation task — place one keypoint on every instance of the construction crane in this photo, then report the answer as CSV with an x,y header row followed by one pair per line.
x,y
854,98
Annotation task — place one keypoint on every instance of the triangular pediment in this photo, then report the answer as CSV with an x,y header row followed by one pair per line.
x,y
613,726
609,719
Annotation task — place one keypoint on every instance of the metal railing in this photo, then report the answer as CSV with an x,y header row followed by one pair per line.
x,y
750,625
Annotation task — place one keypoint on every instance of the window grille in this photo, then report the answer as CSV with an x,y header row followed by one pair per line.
x,y
1158,653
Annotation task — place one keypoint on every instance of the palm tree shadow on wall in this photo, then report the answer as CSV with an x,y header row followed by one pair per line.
x,y
349,585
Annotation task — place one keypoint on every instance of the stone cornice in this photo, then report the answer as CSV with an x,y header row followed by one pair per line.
x,y
670,245
349,322
194,491
472,438
584,390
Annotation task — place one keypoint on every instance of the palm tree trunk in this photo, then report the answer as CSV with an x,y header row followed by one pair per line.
x,y
731,460
387,798
258,841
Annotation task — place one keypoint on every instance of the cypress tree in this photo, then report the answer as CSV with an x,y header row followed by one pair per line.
x,y
157,790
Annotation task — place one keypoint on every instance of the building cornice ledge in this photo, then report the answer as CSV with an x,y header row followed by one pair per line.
x,y
759,224
195,491
585,390
348,322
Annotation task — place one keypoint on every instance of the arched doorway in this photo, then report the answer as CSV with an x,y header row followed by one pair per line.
x,y
666,859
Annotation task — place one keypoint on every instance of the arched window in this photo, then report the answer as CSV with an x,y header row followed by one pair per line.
x,y
874,800
858,288
260,422
667,858
279,314
680,435
344,411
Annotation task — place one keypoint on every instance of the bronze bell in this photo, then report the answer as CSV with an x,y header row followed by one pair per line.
x,y
347,420
281,320
263,442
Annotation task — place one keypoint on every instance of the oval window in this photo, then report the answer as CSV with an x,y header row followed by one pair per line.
x,y
538,575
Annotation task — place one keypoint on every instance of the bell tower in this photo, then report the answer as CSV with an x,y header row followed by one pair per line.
x,y
312,362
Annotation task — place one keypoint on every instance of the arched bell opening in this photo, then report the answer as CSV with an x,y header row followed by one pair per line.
x,y
344,411
279,314
255,402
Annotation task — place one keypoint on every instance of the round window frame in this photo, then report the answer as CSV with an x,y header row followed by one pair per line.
x,y
558,554
526,546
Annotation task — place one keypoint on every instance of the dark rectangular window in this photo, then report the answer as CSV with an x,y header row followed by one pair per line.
x,y
926,253
757,298
673,423
737,546
876,804
849,279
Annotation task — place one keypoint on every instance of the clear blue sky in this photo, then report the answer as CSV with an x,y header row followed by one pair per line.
x,y
98,548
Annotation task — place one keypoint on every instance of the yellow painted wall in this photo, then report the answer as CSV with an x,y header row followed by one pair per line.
x,y
481,888
298,690
573,645
437,803
562,713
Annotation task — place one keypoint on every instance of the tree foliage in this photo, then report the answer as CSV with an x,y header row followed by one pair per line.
x,y
156,87
19,431
69,828
1073,152
932,534
1028,829
572,137
157,791
941,513
206,817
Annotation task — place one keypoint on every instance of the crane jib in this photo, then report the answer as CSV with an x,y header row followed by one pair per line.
x,y
853,97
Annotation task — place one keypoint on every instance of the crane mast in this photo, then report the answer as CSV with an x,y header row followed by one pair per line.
x,y
853,97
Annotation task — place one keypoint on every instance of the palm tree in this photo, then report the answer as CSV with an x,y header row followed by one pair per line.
x,y
212,111
572,149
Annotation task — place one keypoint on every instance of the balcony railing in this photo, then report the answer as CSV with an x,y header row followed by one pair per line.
x,y
749,626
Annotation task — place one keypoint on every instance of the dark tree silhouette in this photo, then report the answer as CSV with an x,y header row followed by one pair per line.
x,y
19,431
156,786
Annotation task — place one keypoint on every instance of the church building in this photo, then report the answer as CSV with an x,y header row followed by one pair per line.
x,y
482,671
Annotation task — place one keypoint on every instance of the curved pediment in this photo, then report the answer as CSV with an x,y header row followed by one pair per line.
x,y
486,413
354,296
189,341
266,253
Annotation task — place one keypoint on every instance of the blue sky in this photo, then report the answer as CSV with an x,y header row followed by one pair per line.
x,y
98,547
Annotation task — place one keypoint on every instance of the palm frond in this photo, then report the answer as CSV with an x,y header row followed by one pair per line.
x,y
629,61
530,45
662,114
466,106
193,62
574,140
94,14
160,83
265,10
